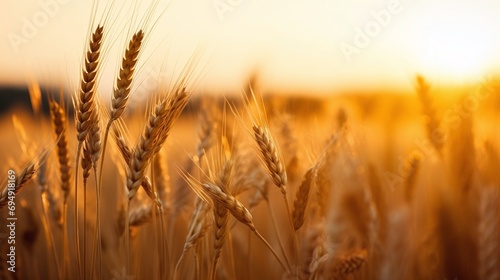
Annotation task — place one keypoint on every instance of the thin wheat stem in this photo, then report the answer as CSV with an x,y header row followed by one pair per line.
x,y
50,240
65,238
276,231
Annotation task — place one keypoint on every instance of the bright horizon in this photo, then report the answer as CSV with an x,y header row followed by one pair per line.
x,y
295,45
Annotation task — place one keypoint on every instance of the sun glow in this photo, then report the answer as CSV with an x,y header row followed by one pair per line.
x,y
456,50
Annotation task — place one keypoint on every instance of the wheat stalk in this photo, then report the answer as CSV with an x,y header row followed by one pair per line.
x,y
121,91
59,123
85,106
88,82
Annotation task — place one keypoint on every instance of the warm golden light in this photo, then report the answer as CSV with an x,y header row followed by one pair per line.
x,y
455,52
456,49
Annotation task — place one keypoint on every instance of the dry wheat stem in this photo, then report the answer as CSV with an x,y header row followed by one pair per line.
x,y
94,144
276,232
198,226
59,123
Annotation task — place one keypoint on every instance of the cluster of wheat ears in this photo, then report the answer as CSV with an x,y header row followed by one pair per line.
x,y
242,206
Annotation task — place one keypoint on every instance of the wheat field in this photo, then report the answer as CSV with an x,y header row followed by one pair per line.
x,y
251,186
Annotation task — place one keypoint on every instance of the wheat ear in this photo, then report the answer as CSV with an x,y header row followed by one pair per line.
x,y
238,210
221,217
302,198
349,264
333,267
21,180
58,117
154,135
121,92
85,106
88,85
274,164
275,167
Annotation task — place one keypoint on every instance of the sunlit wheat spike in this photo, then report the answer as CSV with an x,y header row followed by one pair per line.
x,y
94,138
86,162
22,178
221,217
176,104
59,123
85,99
127,156
154,135
237,209
272,159
302,198
145,149
123,146
121,91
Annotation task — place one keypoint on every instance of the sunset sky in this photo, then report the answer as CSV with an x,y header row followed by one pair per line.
x,y
294,45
